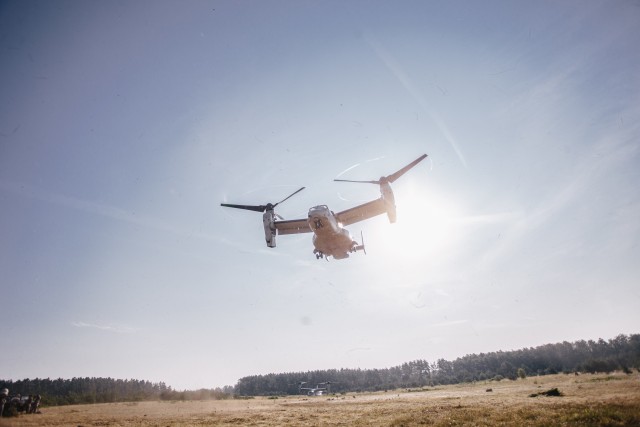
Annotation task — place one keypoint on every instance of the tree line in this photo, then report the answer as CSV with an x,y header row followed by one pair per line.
x,y
619,353
105,390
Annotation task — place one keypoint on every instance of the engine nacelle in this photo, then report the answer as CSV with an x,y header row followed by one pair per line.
x,y
389,201
268,220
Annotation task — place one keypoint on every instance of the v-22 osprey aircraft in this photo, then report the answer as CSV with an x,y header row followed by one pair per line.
x,y
314,391
330,237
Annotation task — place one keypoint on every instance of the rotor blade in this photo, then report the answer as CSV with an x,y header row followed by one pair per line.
x,y
260,208
292,194
404,170
361,182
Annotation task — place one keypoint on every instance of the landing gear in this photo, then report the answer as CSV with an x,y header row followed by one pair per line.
x,y
356,247
320,255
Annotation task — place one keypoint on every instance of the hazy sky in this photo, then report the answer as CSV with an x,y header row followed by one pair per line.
x,y
124,125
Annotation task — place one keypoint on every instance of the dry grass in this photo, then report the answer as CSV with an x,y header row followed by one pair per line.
x,y
587,400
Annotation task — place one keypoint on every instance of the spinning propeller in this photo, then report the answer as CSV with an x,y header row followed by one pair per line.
x,y
389,178
261,208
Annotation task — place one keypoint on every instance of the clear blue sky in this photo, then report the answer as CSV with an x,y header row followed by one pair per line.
x,y
123,126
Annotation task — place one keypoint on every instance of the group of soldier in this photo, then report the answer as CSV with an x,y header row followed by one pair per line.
x,y
16,404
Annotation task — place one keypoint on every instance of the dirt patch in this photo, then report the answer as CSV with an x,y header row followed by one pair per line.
x,y
551,392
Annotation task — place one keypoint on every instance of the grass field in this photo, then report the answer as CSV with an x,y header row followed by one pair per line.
x,y
586,400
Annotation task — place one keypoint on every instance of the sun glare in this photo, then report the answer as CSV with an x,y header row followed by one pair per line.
x,y
425,228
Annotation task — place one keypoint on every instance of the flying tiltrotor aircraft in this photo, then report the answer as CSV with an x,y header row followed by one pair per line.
x,y
330,237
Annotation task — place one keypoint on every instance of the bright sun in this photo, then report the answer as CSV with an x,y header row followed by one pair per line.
x,y
425,226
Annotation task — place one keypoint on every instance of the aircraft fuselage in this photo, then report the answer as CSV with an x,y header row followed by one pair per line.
x,y
330,238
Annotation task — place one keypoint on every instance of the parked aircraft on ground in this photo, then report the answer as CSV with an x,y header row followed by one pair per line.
x,y
318,390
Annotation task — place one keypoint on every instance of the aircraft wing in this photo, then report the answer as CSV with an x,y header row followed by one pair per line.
x,y
293,226
362,212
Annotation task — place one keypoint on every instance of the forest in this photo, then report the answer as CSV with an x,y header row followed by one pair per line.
x,y
105,390
620,353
